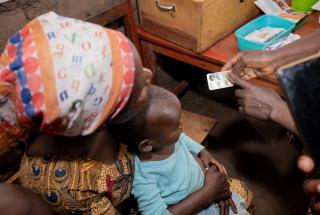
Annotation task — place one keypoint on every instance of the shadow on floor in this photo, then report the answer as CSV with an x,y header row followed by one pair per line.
x,y
254,151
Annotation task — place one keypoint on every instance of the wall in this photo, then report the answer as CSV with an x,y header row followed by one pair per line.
x,y
16,13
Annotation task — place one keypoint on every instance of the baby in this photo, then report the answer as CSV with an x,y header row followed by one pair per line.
x,y
168,177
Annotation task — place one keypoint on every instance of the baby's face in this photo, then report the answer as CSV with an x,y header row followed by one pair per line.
x,y
165,123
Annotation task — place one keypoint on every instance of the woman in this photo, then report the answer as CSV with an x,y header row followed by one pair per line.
x,y
70,79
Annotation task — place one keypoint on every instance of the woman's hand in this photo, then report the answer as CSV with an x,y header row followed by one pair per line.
x,y
216,185
208,160
256,101
252,64
262,103
224,206
310,186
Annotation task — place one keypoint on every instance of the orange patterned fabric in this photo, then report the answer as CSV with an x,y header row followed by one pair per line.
x,y
69,76
79,186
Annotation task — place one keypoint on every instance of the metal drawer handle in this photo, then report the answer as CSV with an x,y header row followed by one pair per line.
x,y
165,8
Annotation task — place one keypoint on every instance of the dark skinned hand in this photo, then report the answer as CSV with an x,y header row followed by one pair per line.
x,y
252,64
310,186
208,160
216,184
255,101
225,205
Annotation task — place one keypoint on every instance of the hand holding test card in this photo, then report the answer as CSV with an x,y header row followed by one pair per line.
x,y
218,80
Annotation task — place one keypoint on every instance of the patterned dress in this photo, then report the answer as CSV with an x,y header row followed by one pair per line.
x,y
79,186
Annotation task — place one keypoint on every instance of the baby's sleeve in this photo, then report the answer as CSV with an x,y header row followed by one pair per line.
x,y
148,196
191,145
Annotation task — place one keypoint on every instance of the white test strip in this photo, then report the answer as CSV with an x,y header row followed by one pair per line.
x,y
218,80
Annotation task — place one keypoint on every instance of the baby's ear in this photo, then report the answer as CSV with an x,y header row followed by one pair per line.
x,y
145,146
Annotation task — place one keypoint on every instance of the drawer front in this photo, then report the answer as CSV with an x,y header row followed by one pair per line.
x,y
194,24
179,25
221,17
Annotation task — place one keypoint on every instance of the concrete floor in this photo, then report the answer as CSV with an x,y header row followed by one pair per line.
x,y
254,151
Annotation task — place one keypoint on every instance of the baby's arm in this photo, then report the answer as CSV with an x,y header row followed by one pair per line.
x,y
215,188
147,194
197,149
150,202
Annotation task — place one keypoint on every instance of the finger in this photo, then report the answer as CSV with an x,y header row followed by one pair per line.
x,y
226,208
205,162
305,164
224,170
233,206
222,208
220,167
241,102
249,73
238,81
230,64
311,186
240,93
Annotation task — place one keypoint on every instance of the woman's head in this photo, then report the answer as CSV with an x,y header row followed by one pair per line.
x,y
71,76
139,93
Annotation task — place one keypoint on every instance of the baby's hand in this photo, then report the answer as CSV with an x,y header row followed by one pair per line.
x,y
207,160
225,206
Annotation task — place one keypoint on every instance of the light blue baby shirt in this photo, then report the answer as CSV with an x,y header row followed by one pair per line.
x,y
159,184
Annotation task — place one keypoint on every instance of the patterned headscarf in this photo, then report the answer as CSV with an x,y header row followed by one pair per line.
x,y
69,76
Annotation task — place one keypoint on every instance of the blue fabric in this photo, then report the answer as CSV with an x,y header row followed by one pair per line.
x,y
159,184
239,202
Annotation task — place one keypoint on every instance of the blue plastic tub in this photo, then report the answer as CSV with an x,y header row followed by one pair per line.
x,y
262,21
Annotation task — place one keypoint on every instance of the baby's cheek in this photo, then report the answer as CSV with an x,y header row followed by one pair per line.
x,y
199,162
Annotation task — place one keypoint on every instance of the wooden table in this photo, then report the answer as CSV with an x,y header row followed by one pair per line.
x,y
212,59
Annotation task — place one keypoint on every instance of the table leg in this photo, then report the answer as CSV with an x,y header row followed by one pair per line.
x,y
149,60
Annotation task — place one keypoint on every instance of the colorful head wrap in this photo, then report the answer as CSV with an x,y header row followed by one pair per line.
x,y
69,76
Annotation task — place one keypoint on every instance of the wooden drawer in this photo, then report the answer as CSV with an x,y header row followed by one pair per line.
x,y
195,24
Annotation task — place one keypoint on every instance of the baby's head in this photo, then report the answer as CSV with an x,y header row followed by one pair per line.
x,y
157,125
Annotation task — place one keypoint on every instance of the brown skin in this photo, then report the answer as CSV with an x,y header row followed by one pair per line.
x,y
252,64
262,103
22,201
92,146
310,186
159,145
255,63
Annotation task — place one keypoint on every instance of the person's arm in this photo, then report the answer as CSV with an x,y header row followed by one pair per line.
x,y
262,103
147,193
215,188
255,63
197,149
14,199
281,115
299,49
310,186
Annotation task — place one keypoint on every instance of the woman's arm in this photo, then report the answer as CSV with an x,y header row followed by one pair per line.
x,y
255,63
215,188
299,49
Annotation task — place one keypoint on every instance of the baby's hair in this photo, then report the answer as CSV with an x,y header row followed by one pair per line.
x,y
137,128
